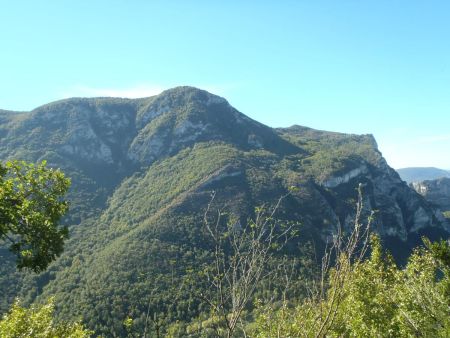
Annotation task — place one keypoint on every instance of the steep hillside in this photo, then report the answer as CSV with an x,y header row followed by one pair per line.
x,y
143,172
422,174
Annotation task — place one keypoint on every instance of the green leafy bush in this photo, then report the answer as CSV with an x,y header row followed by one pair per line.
x,y
378,300
38,322
31,207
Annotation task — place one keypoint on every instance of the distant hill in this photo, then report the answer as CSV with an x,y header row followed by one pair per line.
x,y
143,172
419,174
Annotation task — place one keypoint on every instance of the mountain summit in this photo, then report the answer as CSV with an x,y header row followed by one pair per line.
x,y
143,171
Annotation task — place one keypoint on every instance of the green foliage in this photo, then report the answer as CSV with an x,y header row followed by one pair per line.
x,y
369,308
38,322
440,251
446,214
30,210
152,238
140,196
330,154
379,300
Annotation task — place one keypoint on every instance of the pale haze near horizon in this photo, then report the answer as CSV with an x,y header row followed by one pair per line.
x,y
381,67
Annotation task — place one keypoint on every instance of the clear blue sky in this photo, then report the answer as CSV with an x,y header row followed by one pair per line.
x,y
380,67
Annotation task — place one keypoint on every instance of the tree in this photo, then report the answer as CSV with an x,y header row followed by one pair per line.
x,y
37,321
423,291
316,315
31,207
369,308
241,255
370,297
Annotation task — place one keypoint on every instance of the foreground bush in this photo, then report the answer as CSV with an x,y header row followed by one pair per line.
x,y
38,322
378,299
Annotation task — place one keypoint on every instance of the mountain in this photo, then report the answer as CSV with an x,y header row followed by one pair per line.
x,y
422,174
143,172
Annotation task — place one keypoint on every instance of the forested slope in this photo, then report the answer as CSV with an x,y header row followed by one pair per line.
x,y
143,172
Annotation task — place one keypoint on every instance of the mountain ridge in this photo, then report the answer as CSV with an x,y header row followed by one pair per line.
x,y
143,171
418,174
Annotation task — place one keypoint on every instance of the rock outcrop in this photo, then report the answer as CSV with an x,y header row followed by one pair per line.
x,y
435,191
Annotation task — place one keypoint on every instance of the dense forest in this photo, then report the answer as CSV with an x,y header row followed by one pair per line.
x,y
351,293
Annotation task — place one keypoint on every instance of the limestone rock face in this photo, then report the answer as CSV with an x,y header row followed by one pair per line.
x,y
400,210
183,116
335,181
437,192
401,213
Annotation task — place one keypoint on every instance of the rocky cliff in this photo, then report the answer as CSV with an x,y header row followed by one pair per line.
x,y
436,192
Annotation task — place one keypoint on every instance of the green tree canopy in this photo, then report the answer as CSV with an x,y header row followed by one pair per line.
x,y
37,321
31,206
379,299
